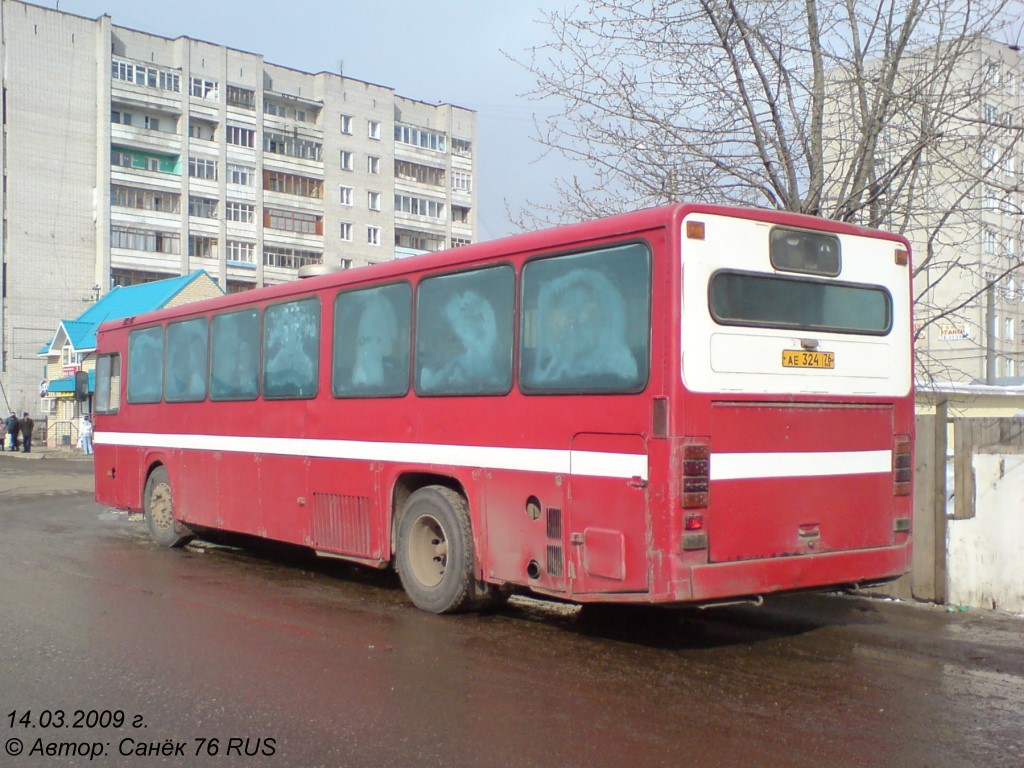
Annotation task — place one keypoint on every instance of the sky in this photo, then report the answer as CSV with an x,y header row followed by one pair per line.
x,y
436,51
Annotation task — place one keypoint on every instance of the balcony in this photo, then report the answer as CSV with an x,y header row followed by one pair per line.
x,y
165,142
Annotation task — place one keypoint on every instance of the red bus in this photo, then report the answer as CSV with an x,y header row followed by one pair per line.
x,y
684,405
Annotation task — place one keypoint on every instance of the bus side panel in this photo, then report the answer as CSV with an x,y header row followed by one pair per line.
x,y
197,488
343,513
523,522
283,497
237,504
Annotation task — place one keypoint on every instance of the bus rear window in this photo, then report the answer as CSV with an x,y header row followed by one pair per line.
x,y
772,301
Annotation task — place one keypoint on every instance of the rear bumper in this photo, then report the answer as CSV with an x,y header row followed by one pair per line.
x,y
786,574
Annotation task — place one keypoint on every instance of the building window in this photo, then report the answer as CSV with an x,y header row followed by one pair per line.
x,y
424,174
242,175
373,201
418,241
290,184
373,235
460,214
419,206
120,118
992,73
202,207
202,168
373,129
988,241
241,252
204,89
124,158
200,130
459,242
373,164
145,240
242,212
293,221
292,146
346,160
290,258
202,246
420,137
346,124
241,137
144,199
149,77
462,148
346,231
241,97
345,195
274,108
462,182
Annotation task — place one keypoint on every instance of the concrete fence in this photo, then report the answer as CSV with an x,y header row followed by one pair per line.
x,y
968,513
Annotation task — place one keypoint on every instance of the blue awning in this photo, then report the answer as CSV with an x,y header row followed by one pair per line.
x,y
67,384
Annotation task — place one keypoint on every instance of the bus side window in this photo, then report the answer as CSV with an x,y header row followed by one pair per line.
x,y
371,342
235,356
145,365
108,383
464,333
585,322
185,377
291,348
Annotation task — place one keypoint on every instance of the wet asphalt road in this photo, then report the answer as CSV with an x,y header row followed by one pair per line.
x,y
334,665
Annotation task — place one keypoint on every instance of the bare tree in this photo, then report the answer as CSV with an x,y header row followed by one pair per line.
x,y
869,112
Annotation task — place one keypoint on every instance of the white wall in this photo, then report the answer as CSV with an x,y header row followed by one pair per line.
x,y
986,553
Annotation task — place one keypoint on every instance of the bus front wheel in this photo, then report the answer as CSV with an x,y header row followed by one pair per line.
x,y
435,551
158,505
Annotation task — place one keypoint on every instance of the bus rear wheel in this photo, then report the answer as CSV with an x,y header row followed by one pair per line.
x,y
435,551
158,505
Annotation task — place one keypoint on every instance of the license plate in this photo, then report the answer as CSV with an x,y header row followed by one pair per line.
x,y
799,358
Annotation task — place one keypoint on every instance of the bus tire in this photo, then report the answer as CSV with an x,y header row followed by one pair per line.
x,y
435,551
158,506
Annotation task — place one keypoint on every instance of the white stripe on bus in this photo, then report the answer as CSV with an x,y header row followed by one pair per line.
x,y
589,463
724,466
748,466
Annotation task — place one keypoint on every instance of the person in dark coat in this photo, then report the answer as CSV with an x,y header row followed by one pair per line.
x,y
13,427
26,425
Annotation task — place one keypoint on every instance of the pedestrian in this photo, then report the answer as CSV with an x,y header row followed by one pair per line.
x,y
85,434
26,425
13,428
3,434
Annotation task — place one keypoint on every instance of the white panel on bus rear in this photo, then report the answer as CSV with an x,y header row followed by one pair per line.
x,y
735,358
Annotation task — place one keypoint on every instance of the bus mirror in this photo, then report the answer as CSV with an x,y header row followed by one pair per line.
x,y
81,386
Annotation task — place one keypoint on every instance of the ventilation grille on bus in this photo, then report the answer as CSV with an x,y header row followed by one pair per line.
x,y
554,528
554,523
342,523
554,560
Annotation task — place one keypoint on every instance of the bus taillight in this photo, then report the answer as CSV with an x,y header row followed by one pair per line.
x,y
696,472
902,465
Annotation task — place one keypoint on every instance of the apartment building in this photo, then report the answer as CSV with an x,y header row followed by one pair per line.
x,y
975,286
951,174
129,157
